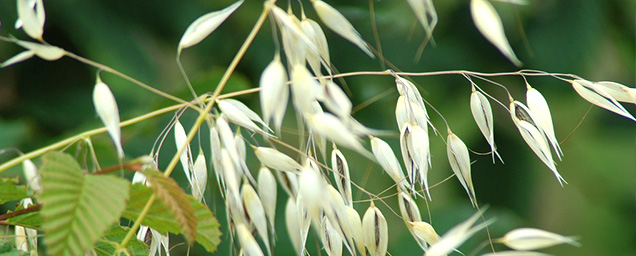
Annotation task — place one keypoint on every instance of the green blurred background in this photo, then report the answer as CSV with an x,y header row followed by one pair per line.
x,y
43,102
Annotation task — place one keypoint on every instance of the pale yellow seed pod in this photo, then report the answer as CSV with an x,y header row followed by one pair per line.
x,y
598,96
340,25
240,114
274,92
424,233
331,240
205,25
460,163
200,177
276,160
268,193
304,89
31,175
426,15
523,119
248,243
419,149
482,113
534,239
341,175
312,188
325,124
541,113
46,52
334,209
618,91
181,138
408,208
256,212
375,231
32,20
355,225
456,236
336,100
489,24
387,160
293,224
20,57
315,34
108,112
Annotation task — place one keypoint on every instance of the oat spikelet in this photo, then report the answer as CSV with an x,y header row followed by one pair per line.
x,y
482,113
31,176
424,233
534,239
205,25
489,24
426,15
355,225
618,91
292,219
385,157
276,160
31,17
26,239
418,149
180,138
340,25
248,243
331,240
541,114
332,128
268,193
240,114
274,92
46,52
375,231
336,100
523,119
256,212
20,57
341,175
460,163
200,176
456,236
106,107
597,96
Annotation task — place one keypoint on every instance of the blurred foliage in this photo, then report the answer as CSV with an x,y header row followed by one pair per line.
x,y
42,102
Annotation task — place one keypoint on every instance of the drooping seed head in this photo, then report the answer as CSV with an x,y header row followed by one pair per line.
x,y
489,24
460,163
375,231
340,25
108,112
534,239
341,175
203,26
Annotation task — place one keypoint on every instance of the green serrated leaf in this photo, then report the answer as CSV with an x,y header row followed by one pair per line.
x,y
169,192
7,250
107,245
77,209
10,191
30,220
161,219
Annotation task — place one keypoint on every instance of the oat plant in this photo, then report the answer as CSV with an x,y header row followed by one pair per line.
x,y
290,166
